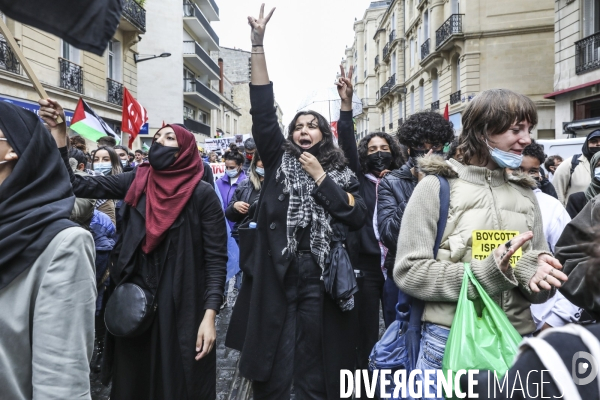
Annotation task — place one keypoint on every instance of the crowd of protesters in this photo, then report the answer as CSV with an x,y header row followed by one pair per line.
x,y
116,262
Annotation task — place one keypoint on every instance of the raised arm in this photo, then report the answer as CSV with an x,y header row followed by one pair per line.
x,y
346,138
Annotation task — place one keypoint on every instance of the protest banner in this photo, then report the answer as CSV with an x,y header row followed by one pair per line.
x,y
223,143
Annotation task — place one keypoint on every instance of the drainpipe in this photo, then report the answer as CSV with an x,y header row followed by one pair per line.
x,y
221,75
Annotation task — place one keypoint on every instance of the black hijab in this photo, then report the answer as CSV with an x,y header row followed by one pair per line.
x,y
36,199
585,149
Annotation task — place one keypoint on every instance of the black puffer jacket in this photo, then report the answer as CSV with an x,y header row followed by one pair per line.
x,y
394,192
248,194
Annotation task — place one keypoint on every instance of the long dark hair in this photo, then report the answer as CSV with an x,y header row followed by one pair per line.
x,y
115,161
363,150
330,156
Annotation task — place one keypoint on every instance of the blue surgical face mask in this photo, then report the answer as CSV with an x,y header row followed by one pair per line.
x,y
104,168
232,173
123,163
505,159
260,171
597,173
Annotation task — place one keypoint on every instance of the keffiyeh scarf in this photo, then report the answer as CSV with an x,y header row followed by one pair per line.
x,y
303,210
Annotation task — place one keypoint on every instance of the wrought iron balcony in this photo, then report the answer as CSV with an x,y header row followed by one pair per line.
x,y
71,76
196,126
587,54
377,60
436,104
455,97
8,61
453,25
135,14
386,50
387,86
115,92
392,35
425,49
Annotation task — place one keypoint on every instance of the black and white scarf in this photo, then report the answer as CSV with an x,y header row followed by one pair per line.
x,y
303,210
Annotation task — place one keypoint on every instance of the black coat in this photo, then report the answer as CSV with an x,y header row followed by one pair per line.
x,y
576,203
259,312
394,192
200,266
248,194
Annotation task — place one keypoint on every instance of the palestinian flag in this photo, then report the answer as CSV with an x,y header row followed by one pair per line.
x,y
88,124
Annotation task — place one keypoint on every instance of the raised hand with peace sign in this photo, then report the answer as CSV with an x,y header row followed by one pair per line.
x,y
345,89
258,26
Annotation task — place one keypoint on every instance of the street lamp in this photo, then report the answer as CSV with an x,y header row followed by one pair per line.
x,y
138,60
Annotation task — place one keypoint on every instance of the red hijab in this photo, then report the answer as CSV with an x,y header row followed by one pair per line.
x,y
167,191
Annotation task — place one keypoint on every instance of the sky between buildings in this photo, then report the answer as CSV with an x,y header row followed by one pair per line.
x,y
305,41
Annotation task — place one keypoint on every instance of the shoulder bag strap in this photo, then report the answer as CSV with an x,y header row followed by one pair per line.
x,y
418,306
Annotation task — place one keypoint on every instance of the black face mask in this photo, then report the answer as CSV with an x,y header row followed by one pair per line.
x,y
594,150
379,161
315,150
161,157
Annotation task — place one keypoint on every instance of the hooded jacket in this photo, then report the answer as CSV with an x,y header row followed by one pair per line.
x,y
480,199
227,190
248,194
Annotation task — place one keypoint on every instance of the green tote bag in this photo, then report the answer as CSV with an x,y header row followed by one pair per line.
x,y
482,341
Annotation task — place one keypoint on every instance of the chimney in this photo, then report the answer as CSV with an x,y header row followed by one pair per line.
x,y
221,75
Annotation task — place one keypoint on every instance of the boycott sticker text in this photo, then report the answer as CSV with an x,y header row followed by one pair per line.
x,y
484,242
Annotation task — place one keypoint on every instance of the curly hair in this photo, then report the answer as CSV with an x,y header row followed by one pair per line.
x,y
363,150
535,150
234,155
329,156
425,127
490,113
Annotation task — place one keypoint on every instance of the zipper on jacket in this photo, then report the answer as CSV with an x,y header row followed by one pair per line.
x,y
488,174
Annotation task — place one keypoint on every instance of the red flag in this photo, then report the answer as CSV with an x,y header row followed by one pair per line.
x,y
334,128
134,116
446,115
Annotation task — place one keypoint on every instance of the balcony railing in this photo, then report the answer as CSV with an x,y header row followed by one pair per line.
x,y
196,126
135,14
193,85
8,61
192,47
391,125
587,54
192,10
387,86
71,76
452,26
115,92
392,35
436,104
377,60
386,50
455,97
425,49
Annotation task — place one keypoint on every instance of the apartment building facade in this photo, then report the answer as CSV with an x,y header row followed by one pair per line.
x,y
184,87
433,53
577,67
68,73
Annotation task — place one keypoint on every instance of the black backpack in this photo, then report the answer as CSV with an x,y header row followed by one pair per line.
x,y
574,164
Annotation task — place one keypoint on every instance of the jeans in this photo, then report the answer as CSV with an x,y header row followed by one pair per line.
x,y
299,354
433,344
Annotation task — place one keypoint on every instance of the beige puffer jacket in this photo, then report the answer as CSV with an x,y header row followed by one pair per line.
x,y
480,199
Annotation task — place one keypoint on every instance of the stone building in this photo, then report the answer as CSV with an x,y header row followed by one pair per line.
x,y
184,87
68,73
237,68
433,53
576,89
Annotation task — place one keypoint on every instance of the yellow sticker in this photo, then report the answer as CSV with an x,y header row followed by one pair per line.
x,y
484,242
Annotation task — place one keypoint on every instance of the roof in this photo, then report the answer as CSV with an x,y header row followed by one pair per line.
x,y
571,89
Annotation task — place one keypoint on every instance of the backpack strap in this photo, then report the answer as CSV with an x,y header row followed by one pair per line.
x,y
574,164
554,364
418,306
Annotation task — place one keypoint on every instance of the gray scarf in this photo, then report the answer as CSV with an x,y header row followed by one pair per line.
x,y
303,210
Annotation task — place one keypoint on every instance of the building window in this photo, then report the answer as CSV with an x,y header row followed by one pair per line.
x,y
457,74
394,62
434,86
235,126
412,53
591,17
69,52
383,121
189,80
188,112
400,109
412,100
426,24
393,20
391,113
421,96
587,108
202,116
114,60
228,123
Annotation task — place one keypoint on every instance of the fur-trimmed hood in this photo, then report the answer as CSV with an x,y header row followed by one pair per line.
x,y
437,165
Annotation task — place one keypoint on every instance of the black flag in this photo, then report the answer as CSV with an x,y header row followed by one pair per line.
x,y
86,24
